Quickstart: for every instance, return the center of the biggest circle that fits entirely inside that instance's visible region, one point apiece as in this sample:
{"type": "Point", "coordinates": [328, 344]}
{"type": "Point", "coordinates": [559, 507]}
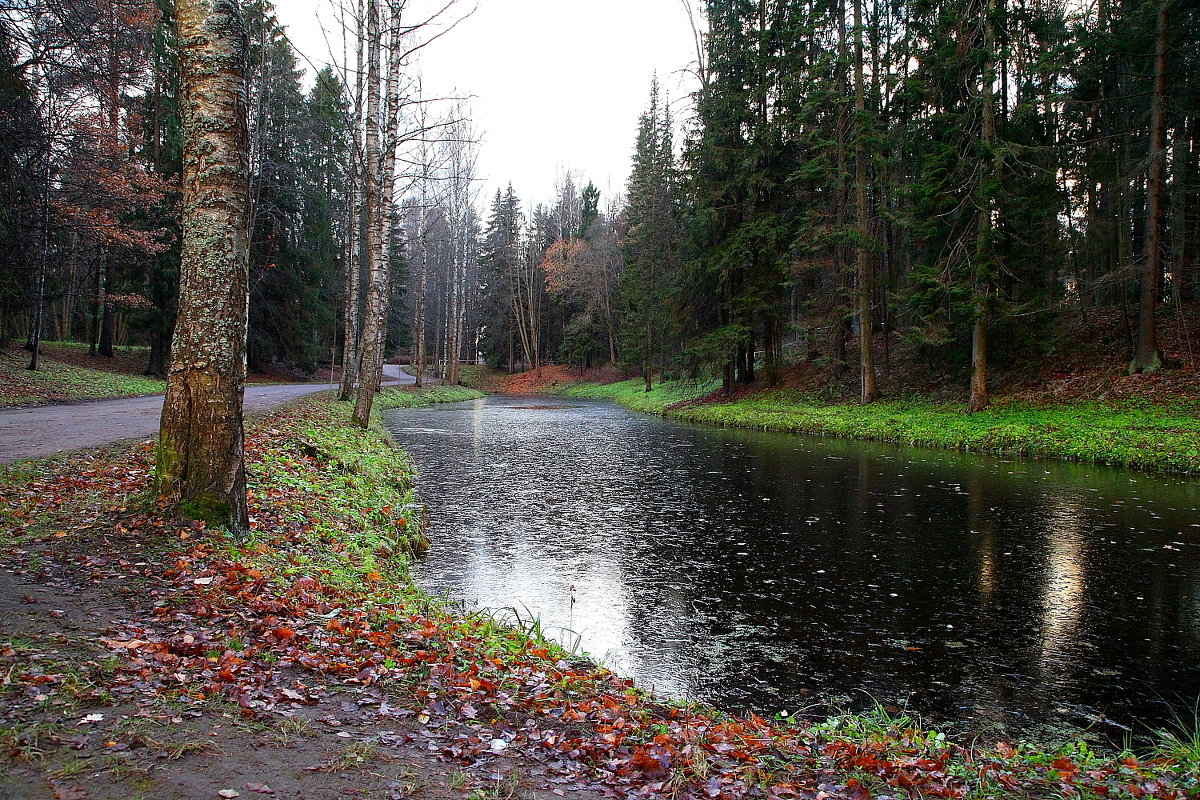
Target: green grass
{"type": "Point", "coordinates": [131, 350]}
{"type": "Point", "coordinates": [356, 485]}
{"type": "Point", "coordinates": [411, 397]}
{"type": "Point", "coordinates": [56, 381]}
{"type": "Point", "coordinates": [633, 394]}
{"type": "Point", "coordinates": [476, 376]}
{"type": "Point", "coordinates": [1130, 434]}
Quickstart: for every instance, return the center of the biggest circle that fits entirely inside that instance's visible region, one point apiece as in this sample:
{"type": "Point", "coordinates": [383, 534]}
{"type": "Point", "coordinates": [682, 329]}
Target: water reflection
{"type": "Point", "coordinates": [778, 572]}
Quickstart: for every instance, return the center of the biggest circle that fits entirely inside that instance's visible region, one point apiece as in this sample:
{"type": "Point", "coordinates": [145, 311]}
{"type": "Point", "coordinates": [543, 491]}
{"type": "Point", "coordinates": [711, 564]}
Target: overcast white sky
{"type": "Point", "coordinates": [556, 84]}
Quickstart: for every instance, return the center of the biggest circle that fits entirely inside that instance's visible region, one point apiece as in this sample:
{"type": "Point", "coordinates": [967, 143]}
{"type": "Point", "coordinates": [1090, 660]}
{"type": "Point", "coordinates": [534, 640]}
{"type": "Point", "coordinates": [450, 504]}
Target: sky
{"type": "Point", "coordinates": [556, 85]}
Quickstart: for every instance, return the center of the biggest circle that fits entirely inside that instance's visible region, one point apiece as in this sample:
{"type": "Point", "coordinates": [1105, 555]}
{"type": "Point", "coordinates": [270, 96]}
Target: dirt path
{"type": "Point", "coordinates": [46, 430]}
{"type": "Point", "coordinates": [70, 728]}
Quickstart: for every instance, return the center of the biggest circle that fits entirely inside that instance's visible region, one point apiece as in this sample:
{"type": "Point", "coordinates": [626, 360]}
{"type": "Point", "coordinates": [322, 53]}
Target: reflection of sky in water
{"type": "Point", "coordinates": [771, 571]}
{"type": "Point", "coordinates": [1063, 595]}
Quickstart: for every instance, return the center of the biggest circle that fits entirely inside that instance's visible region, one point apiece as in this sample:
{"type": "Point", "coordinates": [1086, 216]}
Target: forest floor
{"type": "Point", "coordinates": [67, 375]}
{"type": "Point", "coordinates": [143, 656]}
{"type": "Point", "coordinates": [1077, 404]}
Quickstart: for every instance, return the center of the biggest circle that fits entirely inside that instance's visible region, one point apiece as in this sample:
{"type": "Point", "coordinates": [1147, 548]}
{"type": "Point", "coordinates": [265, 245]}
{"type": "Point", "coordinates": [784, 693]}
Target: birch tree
{"type": "Point", "coordinates": [200, 464]}
{"type": "Point", "coordinates": [369, 359]}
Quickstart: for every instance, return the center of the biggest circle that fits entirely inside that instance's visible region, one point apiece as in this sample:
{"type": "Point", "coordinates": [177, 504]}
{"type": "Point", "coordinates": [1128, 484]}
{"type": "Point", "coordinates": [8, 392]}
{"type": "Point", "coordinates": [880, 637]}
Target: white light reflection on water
{"type": "Point", "coordinates": [771, 571]}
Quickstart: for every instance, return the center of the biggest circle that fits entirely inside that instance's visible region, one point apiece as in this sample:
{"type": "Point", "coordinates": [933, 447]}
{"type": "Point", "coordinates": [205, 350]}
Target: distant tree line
{"type": "Point", "coordinates": [954, 175]}
{"type": "Point", "coordinates": [958, 177]}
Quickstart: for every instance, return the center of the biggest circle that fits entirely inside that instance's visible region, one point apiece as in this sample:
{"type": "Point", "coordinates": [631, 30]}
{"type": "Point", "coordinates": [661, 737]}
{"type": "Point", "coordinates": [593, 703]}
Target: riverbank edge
{"type": "Point", "coordinates": [1132, 435]}
{"type": "Point", "coordinates": [334, 512]}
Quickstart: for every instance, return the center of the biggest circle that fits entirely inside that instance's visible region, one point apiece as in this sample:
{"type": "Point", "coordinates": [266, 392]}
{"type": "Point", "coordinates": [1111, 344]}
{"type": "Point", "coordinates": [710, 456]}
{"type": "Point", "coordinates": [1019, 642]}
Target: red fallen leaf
{"type": "Point", "coordinates": [283, 633]}
{"type": "Point", "coordinates": [131, 644]}
{"type": "Point", "coordinates": [305, 584]}
{"type": "Point", "coordinates": [258, 788]}
{"type": "Point", "coordinates": [653, 767]}
{"type": "Point", "coordinates": [1065, 766]}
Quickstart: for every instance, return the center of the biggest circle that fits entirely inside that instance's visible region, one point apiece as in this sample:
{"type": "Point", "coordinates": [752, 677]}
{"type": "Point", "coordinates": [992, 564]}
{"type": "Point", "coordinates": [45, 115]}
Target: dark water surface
{"type": "Point", "coordinates": [777, 572]}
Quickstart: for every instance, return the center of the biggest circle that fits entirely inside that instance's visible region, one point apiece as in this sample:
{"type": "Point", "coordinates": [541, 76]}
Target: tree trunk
{"type": "Point", "coordinates": [105, 346]}
{"type": "Point", "coordinates": [351, 319]}
{"type": "Point", "coordinates": [984, 252]}
{"type": "Point", "coordinates": [979, 391]}
{"type": "Point", "coordinates": [156, 363]}
{"type": "Point", "coordinates": [352, 279]}
{"type": "Point", "coordinates": [39, 297]}
{"type": "Point", "coordinates": [97, 309]}
{"type": "Point", "coordinates": [422, 273]}
{"type": "Point", "coordinates": [1189, 264]}
{"type": "Point", "coordinates": [1146, 356]}
{"type": "Point", "coordinates": [370, 360]}
{"type": "Point", "coordinates": [866, 345]}
{"type": "Point", "coordinates": [200, 464]}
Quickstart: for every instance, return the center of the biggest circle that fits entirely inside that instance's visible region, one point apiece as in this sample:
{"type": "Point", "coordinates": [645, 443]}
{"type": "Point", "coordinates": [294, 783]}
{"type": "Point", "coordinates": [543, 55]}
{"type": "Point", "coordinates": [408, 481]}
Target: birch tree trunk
{"type": "Point", "coordinates": [351, 321]}
{"type": "Point", "coordinates": [200, 463]}
{"type": "Point", "coordinates": [387, 184]}
{"type": "Point", "coordinates": [369, 359]}
{"type": "Point", "coordinates": [422, 271]}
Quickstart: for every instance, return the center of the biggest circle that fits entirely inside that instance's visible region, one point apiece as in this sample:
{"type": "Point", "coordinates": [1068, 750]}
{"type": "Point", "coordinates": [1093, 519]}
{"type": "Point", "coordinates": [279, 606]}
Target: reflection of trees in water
{"type": "Point", "coordinates": [704, 587]}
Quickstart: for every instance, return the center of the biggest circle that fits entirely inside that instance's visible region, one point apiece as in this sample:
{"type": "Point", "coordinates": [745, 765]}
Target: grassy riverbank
{"type": "Point", "coordinates": [1130, 432]}
{"type": "Point", "coordinates": [173, 661]}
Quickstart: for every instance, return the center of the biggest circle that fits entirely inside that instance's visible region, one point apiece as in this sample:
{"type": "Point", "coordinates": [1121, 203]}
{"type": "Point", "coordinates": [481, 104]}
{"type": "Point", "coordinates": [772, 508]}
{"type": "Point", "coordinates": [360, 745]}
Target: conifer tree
{"type": "Point", "coordinates": [652, 240]}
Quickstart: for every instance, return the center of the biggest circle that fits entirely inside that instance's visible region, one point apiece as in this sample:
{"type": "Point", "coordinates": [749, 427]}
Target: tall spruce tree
{"type": "Point", "coordinates": [652, 241]}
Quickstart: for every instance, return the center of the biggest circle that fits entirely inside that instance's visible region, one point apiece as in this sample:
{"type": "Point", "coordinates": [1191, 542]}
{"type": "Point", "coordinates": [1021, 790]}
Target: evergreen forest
{"type": "Point", "coordinates": [963, 185]}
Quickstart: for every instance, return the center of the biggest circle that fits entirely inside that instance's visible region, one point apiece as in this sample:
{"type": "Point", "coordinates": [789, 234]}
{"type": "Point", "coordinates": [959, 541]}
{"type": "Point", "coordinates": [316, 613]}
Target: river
{"type": "Point", "coordinates": [991, 596]}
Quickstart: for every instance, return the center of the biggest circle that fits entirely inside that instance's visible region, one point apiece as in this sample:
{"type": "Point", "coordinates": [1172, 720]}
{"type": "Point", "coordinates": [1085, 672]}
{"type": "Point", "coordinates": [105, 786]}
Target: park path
{"type": "Point", "coordinates": [46, 430]}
